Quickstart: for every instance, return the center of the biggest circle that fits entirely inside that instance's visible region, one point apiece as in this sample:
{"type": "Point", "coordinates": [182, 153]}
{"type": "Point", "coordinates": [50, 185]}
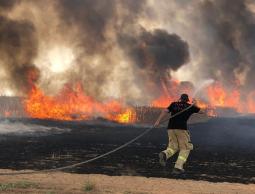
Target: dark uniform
{"type": "Point", "coordinates": [179, 137]}
{"type": "Point", "coordinates": [180, 121]}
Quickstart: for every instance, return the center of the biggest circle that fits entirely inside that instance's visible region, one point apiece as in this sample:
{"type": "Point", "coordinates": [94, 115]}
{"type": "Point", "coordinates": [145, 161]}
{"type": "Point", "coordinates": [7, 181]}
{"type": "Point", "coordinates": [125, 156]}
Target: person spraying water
{"type": "Point", "coordinates": [178, 134]}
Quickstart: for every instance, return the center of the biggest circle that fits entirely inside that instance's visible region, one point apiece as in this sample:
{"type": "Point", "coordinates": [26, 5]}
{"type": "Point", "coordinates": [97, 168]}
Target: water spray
{"type": "Point", "coordinates": [201, 86]}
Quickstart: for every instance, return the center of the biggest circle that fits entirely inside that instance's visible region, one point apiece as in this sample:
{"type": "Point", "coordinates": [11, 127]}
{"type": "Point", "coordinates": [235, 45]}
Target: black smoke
{"type": "Point", "coordinates": [155, 53]}
{"type": "Point", "coordinates": [230, 25]}
{"type": "Point", "coordinates": [90, 18]}
{"type": "Point", "coordinates": [94, 30]}
{"type": "Point", "coordinates": [18, 49]}
{"type": "Point", "coordinates": [7, 4]}
{"type": "Point", "coordinates": [95, 20]}
{"type": "Point", "coordinates": [158, 50]}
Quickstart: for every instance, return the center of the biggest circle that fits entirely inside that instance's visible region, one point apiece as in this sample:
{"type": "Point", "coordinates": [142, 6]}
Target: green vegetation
{"type": "Point", "coordinates": [20, 185]}
{"type": "Point", "coordinates": [88, 187]}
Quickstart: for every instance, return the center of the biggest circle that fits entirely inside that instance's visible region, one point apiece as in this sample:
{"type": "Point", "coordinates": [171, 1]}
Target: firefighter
{"type": "Point", "coordinates": [178, 134]}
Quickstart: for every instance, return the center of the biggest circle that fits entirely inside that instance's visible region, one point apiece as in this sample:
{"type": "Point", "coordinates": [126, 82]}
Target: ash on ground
{"type": "Point", "coordinates": [223, 148]}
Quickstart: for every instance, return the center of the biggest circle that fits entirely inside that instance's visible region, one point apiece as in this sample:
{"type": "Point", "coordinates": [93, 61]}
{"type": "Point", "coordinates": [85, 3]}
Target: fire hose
{"type": "Point", "coordinates": [100, 156]}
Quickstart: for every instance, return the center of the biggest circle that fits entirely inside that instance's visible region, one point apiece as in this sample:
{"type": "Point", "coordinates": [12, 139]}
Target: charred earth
{"type": "Point", "coordinates": [223, 148]}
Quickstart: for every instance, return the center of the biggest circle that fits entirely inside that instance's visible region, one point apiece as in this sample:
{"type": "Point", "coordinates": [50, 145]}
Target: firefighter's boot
{"type": "Point", "coordinates": [182, 158]}
{"type": "Point", "coordinates": [177, 171]}
{"type": "Point", "coordinates": [162, 158]}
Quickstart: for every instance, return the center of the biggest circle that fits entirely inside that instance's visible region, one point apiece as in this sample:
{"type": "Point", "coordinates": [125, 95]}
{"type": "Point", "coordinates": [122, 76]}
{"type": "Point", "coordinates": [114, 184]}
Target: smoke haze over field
{"type": "Point", "coordinates": [126, 49]}
{"type": "Point", "coordinates": [220, 35]}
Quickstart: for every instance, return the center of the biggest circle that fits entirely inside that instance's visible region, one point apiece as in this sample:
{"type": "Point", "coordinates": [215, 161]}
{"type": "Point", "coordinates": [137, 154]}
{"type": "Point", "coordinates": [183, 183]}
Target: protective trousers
{"type": "Point", "coordinates": [179, 140]}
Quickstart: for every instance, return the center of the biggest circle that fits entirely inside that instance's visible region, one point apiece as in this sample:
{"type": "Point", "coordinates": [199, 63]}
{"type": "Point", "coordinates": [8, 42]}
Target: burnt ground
{"type": "Point", "coordinates": [224, 149]}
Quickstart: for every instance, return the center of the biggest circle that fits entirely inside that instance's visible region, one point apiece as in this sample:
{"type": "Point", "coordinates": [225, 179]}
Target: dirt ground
{"type": "Point", "coordinates": [64, 183]}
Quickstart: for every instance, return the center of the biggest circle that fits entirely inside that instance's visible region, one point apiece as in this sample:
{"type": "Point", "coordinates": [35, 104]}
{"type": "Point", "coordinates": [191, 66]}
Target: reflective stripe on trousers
{"type": "Point", "coordinates": [182, 158]}
{"type": "Point", "coordinates": [179, 140]}
{"type": "Point", "coordinates": [169, 152]}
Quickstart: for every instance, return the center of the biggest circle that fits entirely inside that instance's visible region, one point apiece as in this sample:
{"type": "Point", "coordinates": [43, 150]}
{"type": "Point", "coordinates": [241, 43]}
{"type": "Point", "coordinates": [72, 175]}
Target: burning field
{"type": "Point", "coordinates": [81, 77]}
{"type": "Point", "coordinates": [87, 60]}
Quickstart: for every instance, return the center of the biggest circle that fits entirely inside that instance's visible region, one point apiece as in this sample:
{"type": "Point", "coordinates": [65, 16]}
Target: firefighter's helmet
{"type": "Point", "coordinates": [184, 98]}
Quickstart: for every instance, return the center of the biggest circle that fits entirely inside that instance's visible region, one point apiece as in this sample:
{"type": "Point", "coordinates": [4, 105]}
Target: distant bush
{"type": "Point", "coordinates": [88, 186]}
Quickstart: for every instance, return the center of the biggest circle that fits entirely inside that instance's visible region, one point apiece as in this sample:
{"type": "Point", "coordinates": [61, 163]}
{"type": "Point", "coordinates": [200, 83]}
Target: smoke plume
{"type": "Point", "coordinates": [220, 35]}
{"type": "Point", "coordinates": [125, 49]}
{"type": "Point", "coordinates": [7, 4]}
{"type": "Point", "coordinates": [155, 54]}
{"type": "Point", "coordinates": [232, 27]}
{"type": "Point", "coordinates": [18, 49]}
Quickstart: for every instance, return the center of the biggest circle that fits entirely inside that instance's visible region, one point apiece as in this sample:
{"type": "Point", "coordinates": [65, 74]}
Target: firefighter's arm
{"type": "Point", "coordinates": [162, 114]}
{"type": "Point", "coordinates": [202, 110]}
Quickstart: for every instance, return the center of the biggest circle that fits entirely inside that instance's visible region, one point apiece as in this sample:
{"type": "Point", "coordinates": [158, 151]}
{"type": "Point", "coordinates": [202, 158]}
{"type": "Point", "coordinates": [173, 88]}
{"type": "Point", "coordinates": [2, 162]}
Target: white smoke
{"type": "Point", "coordinates": [26, 129]}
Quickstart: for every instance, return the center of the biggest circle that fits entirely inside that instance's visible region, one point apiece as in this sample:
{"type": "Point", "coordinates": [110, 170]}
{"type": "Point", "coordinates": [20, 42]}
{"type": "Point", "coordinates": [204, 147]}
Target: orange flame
{"type": "Point", "coordinates": [72, 104]}
{"type": "Point", "coordinates": [7, 113]}
{"type": "Point", "coordinates": [162, 102]}
{"type": "Point", "coordinates": [128, 116]}
{"type": "Point", "coordinates": [217, 96]}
